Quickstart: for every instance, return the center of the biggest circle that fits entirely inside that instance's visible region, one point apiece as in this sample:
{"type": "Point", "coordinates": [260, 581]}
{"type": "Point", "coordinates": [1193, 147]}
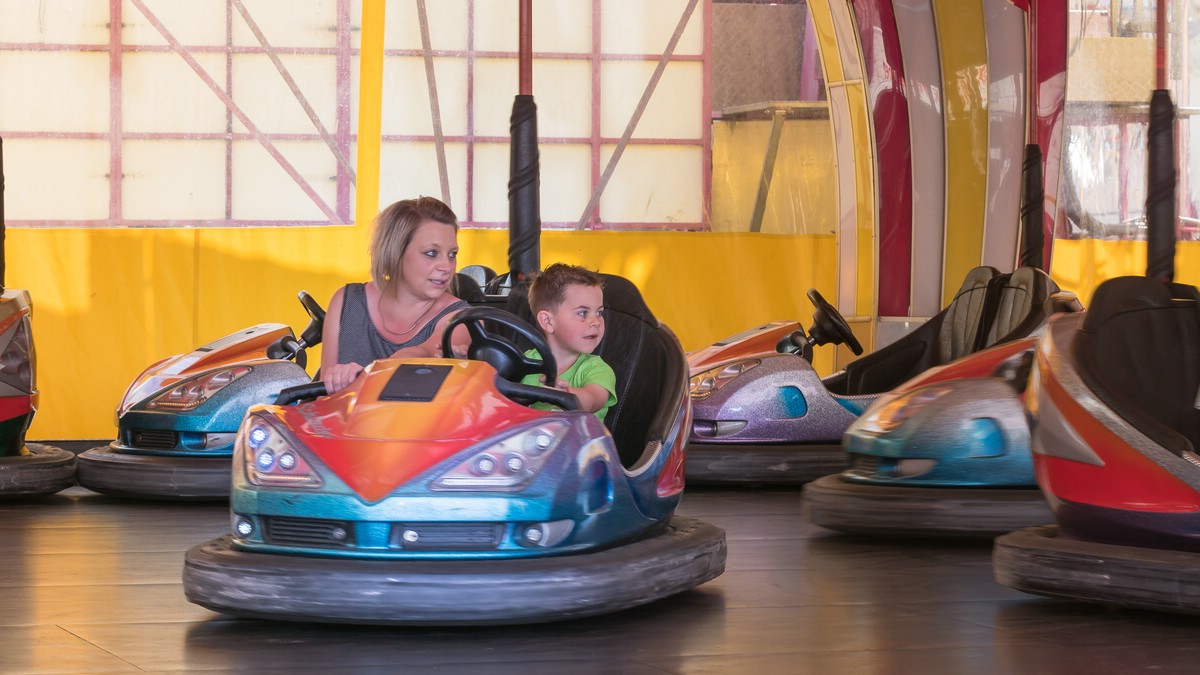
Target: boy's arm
{"type": "Point", "coordinates": [592, 397]}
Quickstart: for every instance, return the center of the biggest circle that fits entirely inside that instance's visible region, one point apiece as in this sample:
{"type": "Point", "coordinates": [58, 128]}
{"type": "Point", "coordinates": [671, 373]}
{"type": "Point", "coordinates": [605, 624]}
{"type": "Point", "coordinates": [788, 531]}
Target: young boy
{"type": "Point", "coordinates": [568, 304]}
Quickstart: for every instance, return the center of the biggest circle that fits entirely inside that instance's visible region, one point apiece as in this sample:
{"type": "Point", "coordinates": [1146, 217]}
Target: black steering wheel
{"type": "Point", "coordinates": [507, 358]}
{"type": "Point", "coordinates": [829, 326]}
{"type": "Point", "coordinates": [288, 347]}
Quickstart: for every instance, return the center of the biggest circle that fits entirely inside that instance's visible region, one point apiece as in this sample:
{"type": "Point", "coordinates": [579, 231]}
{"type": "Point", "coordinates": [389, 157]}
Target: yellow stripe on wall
{"type": "Point", "coordinates": [109, 302]}
{"type": "Point", "coordinates": [370, 111]}
{"type": "Point", "coordinates": [962, 44]}
{"type": "Point", "coordinates": [1080, 265]}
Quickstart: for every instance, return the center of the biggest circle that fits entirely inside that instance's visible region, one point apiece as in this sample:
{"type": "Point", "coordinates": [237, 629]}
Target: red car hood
{"type": "Point", "coordinates": [375, 446]}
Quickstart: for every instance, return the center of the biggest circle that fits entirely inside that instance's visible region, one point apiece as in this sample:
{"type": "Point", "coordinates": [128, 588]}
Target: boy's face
{"type": "Point", "coordinates": [578, 323]}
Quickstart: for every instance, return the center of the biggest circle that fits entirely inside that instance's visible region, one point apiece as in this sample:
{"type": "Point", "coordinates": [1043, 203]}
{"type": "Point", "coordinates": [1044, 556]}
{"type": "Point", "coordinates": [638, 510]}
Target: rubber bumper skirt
{"type": "Point", "coordinates": [1037, 560]}
{"type": "Point", "coordinates": [790, 464]}
{"type": "Point", "coordinates": [45, 470]}
{"type": "Point", "coordinates": [923, 512]}
{"type": "Point", "coordinates": [108, 471]}
{"type": "Point", "coordinates": [454, 592]}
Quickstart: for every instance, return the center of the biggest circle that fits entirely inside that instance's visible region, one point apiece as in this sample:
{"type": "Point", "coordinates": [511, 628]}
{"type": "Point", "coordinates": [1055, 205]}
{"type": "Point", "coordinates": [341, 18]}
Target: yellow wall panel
{"type": "Point", "coordinates": [963, 47]}
{"type": "Point", "coordinates": [108, 303]}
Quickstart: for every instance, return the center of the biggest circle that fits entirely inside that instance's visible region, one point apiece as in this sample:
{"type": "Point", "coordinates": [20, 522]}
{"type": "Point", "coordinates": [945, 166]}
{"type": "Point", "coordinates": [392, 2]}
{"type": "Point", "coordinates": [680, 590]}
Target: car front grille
{"type": "Point", "coordinates": [446, 536]}
{"type": "Point", "coordinates": [153, 439]}
{"type": "Point", "coordinates": [284, 531]}
{"type": "Point", "coordinates": [866, 465]}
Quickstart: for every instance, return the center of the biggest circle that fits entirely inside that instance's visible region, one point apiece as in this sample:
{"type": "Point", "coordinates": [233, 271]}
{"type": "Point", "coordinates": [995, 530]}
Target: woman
{"type": "Point", "coordinates": [404, 309]}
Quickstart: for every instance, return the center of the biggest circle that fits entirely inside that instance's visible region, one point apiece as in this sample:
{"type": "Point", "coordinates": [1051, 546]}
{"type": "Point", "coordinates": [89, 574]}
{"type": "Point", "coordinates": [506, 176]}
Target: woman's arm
{"type": "Point", "coordinates": [337, 376]}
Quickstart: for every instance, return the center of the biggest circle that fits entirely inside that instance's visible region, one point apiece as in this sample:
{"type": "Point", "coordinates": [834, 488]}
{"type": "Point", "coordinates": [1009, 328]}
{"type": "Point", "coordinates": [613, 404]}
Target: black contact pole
{"type": "Point", "coordinates": [1033, 197]}
{"type": "Point", "coordinates": [1, 215]}
{"type": "Point", "coordinates": [1160, 167]}
{"type": "Point", "coordinates": [524, 207]}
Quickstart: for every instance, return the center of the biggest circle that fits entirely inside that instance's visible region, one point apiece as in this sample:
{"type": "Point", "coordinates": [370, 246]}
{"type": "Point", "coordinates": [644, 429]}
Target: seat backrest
{"type": "Point", "coordinates": [651, 370]}
{"type": "Point", "coordinates": [1019, 304]}
{"type": "Point", "coordinates": [1138, 350]}
{"type": "Point", "coordinates": [963, 317]}
{"type": "Point", "coordinates": [945, 337]}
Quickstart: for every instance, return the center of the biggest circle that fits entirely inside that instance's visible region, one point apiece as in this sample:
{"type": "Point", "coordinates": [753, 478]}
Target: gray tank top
{"type": "Point", "coordinates": [358, 339]}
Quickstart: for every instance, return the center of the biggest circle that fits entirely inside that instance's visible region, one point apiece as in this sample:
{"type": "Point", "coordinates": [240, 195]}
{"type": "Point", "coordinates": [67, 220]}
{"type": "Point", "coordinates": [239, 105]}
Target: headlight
{"type": "Point", "coordinates": [191, 393]}
{"type": "Point", "coordinates": [887, 417]}
{"type": "Point", "coordinates": [509, 464]}
{"type": "Point", "coordinates": [704, 384]}
{"type": "Point", "coordinates": [271, 458]}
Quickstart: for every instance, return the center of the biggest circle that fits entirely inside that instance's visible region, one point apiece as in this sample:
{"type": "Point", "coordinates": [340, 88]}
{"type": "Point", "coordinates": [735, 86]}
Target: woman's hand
{"type": "Point", "coordinates": [340, 376]}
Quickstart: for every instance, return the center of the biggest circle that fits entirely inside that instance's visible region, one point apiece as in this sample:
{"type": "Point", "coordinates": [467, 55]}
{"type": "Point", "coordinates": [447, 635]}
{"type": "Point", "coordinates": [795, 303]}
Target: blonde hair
{"type": "Point", "coordinates": [393, 232]}
{"type": "Point", "coordinates": [549, 287]}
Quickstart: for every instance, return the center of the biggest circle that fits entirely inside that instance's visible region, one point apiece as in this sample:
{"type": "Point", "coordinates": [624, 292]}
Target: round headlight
{"type": "Point", "coordinates": [257, 436]}
{"type": "Point", "coordinates": [266, 460]}
{"type": "Point", "coordinates": [287, 461]}
{"type": "Point", "coordinates": [484, 465]}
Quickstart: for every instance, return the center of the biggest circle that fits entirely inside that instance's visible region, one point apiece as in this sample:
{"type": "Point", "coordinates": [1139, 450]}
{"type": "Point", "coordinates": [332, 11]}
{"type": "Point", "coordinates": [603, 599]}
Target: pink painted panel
{"type": "Point", "coordinates": [1048, 30]}
{"type": "Point", "coordinates": [884, 71]}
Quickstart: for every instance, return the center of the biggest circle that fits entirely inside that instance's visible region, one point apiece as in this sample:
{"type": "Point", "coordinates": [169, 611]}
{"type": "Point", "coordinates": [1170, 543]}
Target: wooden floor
{"type": "Point", "coordinates": [92, 584]}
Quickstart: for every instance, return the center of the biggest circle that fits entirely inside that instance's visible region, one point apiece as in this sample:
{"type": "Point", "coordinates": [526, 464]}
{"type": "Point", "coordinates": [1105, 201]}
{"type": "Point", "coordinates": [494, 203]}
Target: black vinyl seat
{"type": "Point", "coordinates": [1138, 350]}
{"type": "Point", "coordinates": [990, 308]}
{"type": "Point", "coordinates": [649, 362]}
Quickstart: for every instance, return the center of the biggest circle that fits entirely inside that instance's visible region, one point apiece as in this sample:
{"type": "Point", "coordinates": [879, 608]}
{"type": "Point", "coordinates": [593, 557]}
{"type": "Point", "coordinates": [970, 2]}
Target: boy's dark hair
{"type": "Point", "coordinates": [549, 287]}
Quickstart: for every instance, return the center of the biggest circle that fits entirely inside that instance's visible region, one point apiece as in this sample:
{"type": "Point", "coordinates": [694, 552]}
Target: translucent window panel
{"type": "Point", "coordinates": [191, 23]}
{"type": "Point", "coordinates": [161, 93]}
{"type": "Point", "coordinates": [563, 93]}
{"type": "Point", "coordinates": [803, 194]}
{"type": "Point", "coordinates": [673, 110]}
{"type": "Point", "coordinates": [566, 184]}
{"type": "Point", "coordinates": [265, 97]}
{"type": "Point", "coordinates": [561, 26]}
{"type": "Point", "coordinates": [55, 179]}
{"type": "Point", "coordinates": [410, 169]}
{"type": "Point", "coordinates": [640, 27]}
{"type": "Point", "coordinates": [490, 187]}
{"type": "Point", "coordinates": [564, 180]}
{"type": "Point", "coordinates": [495, 87]}
{"type": "Point", "coordinates": [312, 23]}
{"type": "Point", "coordinates": [654, 184]}
{"type": "Point", "coordinates": [263, 190]}
{"type": "Point", "coordinates": [173, 180]}
{"type": "Point", "coordinates": [406, 92]}
{"type": "Point", "coordinates": [55, 21]}
{"type": "Point", "coordinates": [447, 24]}
{"type": "Point", "coordinates": [54, 91]}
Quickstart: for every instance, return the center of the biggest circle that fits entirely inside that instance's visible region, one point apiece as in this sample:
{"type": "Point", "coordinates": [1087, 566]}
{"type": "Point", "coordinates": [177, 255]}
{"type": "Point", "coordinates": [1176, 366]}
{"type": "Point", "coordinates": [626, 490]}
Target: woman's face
{"type": "Point", "coordinates": [431, 259]}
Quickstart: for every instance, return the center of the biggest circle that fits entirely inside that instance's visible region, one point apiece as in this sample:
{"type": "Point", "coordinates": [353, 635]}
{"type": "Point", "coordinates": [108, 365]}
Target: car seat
{"type": "Point", "coordinates": [651, 370]}
{"type": "Point", "coordinates": [1138, 350]}
{"type": "Point", "coordinates": [947, 336]}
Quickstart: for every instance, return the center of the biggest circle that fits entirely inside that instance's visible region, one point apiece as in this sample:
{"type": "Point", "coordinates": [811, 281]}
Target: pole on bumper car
{"type": "Point", "coordinates": [524, 208]}
{"type": "Point", "coordinates": [1160, 167]}
{"type": "Point", "coordinates": [1033, 194]}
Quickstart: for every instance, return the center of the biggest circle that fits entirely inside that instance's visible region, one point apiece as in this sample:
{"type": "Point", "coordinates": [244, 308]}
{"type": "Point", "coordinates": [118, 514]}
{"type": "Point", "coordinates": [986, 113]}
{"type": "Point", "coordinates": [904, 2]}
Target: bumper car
{"type": "Point", "coordinates": [177, 421]}
{"type": "Point", "coordinates": [945, 454]}
{"type": "Point", "coordinates": [26, 469]}
{"type": "Point", "coordinates": [763, 415]}
{"type": "Point", "coordinates": [1114, 395]}
{"type": "Point", "coordinates": [429, 493]}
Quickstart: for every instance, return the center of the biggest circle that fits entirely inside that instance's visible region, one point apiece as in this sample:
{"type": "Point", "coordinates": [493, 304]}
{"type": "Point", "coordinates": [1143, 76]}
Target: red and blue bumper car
{"type": "Point", "coordinates": [26, 469]}
{"type": "Point", "coordinates": [763, 415]}
{"type": "Point", "coordinates": [430, 493]}
{"type": "Point", "coordinates": [1115, 397]}
{"type": "Point", "coordinates": [177, 421]}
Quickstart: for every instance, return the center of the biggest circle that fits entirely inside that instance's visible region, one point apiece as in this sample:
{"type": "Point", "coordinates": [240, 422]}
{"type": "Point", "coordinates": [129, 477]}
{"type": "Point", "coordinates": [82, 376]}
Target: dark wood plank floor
{"type": "Point", "coordinates": [92, 584]}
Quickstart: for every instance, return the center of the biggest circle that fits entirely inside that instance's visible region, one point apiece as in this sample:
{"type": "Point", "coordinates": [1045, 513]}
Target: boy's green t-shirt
{"type": "Point", "coordinates": [587, 369]}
